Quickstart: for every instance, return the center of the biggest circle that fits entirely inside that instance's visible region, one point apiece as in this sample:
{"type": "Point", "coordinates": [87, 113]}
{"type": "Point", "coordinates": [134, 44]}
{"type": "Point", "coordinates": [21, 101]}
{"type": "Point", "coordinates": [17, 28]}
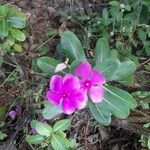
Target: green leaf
{"type": "Point", "coordinates": [116, 13]}
{"type": "Point", "coordinates": [102, 51]}
{"type": "Point", "coordinates": [3, 10]}
{"type": "Point", "coordinates": [51, 111]}
{"type": "Point", "coordinates": [115, 102]}
{"type": "Point", "coordinates": [2, 110]}
{"type": "Point", "coordinates": [2, 135]}
{"type": "Point", "coordinates": [17, 47]}
{"type": "Point", "coordinates": [73, 65]}
{"type": "Point", "coordinates": [1, 61]}
{"type": "Point", "coordinates": [11, 39]}
{"type": "Point", "coordinates": [124, 70]}
{"type": "Point", "coordinates": [142, 35]}
{"type": "Point", "coordinates": [58, 142]}
{"type": "Point", "coordinates": [72, 46]}
{"type": "Point", "coordinates": [128, 80]}
{"type": "Point", "coordinates": [33, 123]}
{"type": "Point", "coordinates": [35, 139]}
{"type": "Point", "coordinates": [61, 125]}
{"type": "Point", "coordinates": [43, 129]}
{"type": "Point", "coordinates": [128, 7]}
{"type": "Point", "coordinates": [12, 11]}
{"type": "Point", "coordinates": [105, 16]}
{"type": "Point", "coordinates": [109, 68]}
{"type": "Point", "coordinates": [97, 113]}
{"type": "Point", "coordinates": [114, 3]}
{"type": "Point", "coordinates": [6, 45]}
{"type": "Point", "coordinates": [18, 35]}
{"type": "Point", "coordinates": [148, 142]}
{"type": "Point", "coordinates": [114, 54]}
{"type": "Point", "coordinates": [17, 22]}
{"type": "Point", "coordinates": [113, 69]}
{"type": "Point", "coordinates": [47, 65]}
{"type": "Point", "coordinates": [51, 32]}
{"type": "Point", "coordinates": [4, 28]}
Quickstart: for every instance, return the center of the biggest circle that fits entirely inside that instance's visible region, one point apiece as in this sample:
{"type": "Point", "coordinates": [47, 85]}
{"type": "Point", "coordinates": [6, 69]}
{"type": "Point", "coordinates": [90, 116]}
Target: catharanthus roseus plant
{"type": "Point", "coordinates": [83, 85]}
{"type": "Point", "coordinates": [71, 91]}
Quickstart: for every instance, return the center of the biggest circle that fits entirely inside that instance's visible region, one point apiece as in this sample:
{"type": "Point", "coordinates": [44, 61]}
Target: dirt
{"type": "Point", "coordinates": [45, 14]}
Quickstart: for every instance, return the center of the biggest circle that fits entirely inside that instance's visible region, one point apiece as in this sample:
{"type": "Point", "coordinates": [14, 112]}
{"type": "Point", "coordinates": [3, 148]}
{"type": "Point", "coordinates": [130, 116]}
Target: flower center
{"type": "Point", "coordinates": [87, 84]}
{"type": "Point", "coordinates": [64, 95]}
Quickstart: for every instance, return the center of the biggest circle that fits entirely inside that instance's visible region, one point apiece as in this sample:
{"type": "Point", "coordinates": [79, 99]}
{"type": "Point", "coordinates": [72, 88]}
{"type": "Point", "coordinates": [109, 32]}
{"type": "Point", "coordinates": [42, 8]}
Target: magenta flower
{"type": "Point", "coordinates": [91, 81]}
{"type": "Point", "coordinates": [66, 91]}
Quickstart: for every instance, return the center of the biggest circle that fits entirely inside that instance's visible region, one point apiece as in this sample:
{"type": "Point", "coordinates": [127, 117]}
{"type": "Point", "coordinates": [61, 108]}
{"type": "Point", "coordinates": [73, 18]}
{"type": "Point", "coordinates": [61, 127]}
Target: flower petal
{"type": "Point", "coordinates": [70, 83]}
{"type": "Point", "coordinates": [96, 94]}
{"type": "Point", "coordinates": [13, 114]}
{"type": "Point", "coordinates": [53, 97]}
{"type": "Point", "coordinates": [79, 99]}
{"type": "Point", "coordinates": [67, 106]}
{"type": "Point", "coordinates": [56, 83]}
{"type": "Point", "coordinates": [83, 70]}
{"type": "Point", "coordinates": [97, 77]}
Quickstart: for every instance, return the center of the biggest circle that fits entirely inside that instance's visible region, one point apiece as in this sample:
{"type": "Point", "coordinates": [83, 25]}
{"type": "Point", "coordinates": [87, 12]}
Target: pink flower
{"type": "Point", "coordinates": [66, 91]}
{"type": "Point", "coordinates": [91, 80]}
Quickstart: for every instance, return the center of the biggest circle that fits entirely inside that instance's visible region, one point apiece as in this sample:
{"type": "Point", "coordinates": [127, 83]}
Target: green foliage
{"type": "Point", "coordinates": [107, 63]}
{"type": "Point", "coordinates": [47, 114]}
{"type": "Point", "coordinates": [145, 140]}
{"type": "Point", "coordinates": [116, 102]}
{"type": "Point", "coordinates": [2, 135]}
{"type": "Point", "coordinates": [43, 129]}
{"type": "Point", "coordinates": [2, 110]}
{"type": "Point", "coordinates": [54, 136]}
{"type": "Point", "coordinates": [121, 21]}
{"type": "Point", "coordinates": [12, 23]}
{"type": "Point", "coordinates": [72, 46]}
{"type": "Point", "coordinates": [59, 143]}
{"type": "Point", "coordinates": [47, 65]}
{"type": "Point", "coordinates": [35, 139]}
{"type": "Point", "coordinates": [102, 51]}
{"type": "Point", "coordinates": [61, 125]}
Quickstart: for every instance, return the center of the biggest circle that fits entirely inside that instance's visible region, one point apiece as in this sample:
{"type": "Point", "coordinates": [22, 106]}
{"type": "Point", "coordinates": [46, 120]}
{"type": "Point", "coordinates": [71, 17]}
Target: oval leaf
{"type": "Point", "coordinates": [17, 47]}
{"type": "Point", "coordinates": [51, 111]}
{"type": "Point", "coordinates": [43, 129]}
{"type": "Point", "coordinates": [102, 52]}
{"type": "Point", "coordinates": [35, 139]}
{"type": "Point", "coordinates": [113, 69]}
{"type": "Point", "coordinates": [3, 10]}
{"type": "Point", "coordinates": [17, 22]}
{"type": "Point", "coordinates": [17, 34]}
{"type": "Point", "coordinates": [4, 28]}
{"type": "Point", "coordinates": [97, 113]}
{"type": "Point", "coordinates": [124, 70]}
{"type": "Point", "coordinates": [72, 46]}
{"type": "Point", "coordinates": [47, 65]}
{"type": "Point", "coordinates": [116, 102]}
{"type": "Point", "coordinates": [58, 142]}
{"type": "Point", "coordinates": [61, 125]}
